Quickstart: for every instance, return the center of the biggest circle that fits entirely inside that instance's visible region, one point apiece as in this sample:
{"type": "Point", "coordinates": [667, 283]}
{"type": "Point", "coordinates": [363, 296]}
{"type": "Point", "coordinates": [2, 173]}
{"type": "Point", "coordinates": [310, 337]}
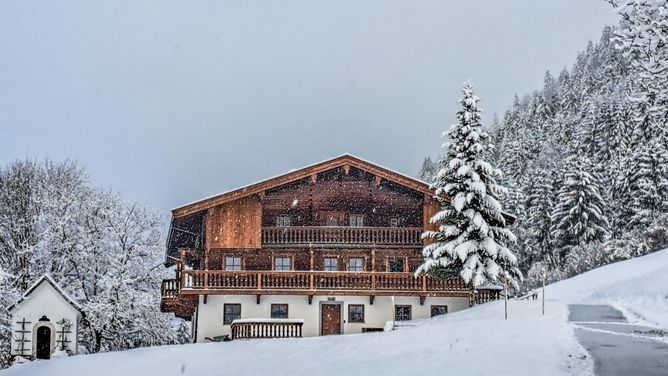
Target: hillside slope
{"type": "Point", "coordinates": [477, 341]}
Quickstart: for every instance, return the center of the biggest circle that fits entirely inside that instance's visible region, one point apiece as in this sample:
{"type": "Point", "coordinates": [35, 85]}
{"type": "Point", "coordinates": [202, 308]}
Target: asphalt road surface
{"type": "Point", "coordinates": [618, 347]}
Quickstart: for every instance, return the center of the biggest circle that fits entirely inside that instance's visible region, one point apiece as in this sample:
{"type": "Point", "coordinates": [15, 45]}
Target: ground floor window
{"type": "Point", "coordinates": [356, 313]}
{"type": "Point", "coordinates": [231, 312]}
{"type": "Point", "coordinates": [279, 311]}
{"type": "Point", "coordinates": [402, 313]}
{"type": "Point", "coordinates": [438, 310]}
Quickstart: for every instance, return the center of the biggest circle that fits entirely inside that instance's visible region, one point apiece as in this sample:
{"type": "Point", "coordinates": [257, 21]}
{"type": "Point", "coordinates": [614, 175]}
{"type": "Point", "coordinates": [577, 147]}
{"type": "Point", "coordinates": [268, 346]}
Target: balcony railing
{"type": "Point", "coordinates": [312, 282]}
{"type": "Point", "coordinates": [273, 328]}
{"type": "Point", "coordinates": [304, 235]}
{"type": "Point", "coordinates": [170, 288]}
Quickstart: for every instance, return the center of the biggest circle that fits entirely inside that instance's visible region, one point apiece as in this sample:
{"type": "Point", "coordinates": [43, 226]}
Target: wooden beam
{"type": "Point", "coordinates": [301, 174]}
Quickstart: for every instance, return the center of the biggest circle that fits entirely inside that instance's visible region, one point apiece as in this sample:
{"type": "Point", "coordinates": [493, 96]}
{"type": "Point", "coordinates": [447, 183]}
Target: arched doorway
{"type": "Point", "coordinates": [43, 343]}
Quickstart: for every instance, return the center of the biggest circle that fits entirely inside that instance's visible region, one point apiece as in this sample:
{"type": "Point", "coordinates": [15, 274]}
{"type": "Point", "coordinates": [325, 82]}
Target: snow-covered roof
{"type": "Point", "coordinates": [47, 278]}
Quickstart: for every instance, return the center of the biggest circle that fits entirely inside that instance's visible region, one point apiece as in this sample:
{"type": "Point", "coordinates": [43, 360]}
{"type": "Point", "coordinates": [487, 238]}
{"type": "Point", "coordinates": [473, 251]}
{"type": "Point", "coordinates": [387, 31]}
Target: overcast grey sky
{"type": "Point", "coordinates": [171, 101]}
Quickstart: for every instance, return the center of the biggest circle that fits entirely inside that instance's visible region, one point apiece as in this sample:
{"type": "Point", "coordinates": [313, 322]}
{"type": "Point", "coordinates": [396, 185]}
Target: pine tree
{"type": "Point", "coordinates": [472, 240]}
{"type": "Point", "coordinates": [427, 171]}
{"type": "Point", "coordinates": [579, 214]}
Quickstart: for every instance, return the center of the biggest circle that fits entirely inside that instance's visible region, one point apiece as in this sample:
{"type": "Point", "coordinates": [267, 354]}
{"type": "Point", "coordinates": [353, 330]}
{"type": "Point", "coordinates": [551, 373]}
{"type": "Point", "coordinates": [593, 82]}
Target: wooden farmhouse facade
{"type": "Point", "coordinates": [327, 249]}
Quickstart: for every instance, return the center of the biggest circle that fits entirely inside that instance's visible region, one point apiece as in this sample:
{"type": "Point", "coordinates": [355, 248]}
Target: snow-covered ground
{"type": "Point", "coordinates": [477, 341]}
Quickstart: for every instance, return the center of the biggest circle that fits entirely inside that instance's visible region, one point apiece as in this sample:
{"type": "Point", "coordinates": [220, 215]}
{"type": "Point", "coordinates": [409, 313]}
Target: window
{"type": "Point", "coordinates": [356, 220]}
{"type": "Point", "coordinates": [331, 221]}
{"type": "Point", "coordinates": [396, 221]}
{"type": "Point", "coordinates": [279, 311]}
{"type": "Point", "coordinates": [396, 265]}
{"type": "Point", "coordinates": [283, 221]}
{"type": "Point", "coordinates": [356, 264]}
{"type": "Point", "coordinates": [331, 264]}
{"type": "Point", "coordinates": [232, 263]}
{"type": "Point", "coordinates": [438, 310]}
{"type": "Point", "coordinates": [231, 312]}
{"type": "Point", "coordinates": [355, 312]}
{"type": "Point", "coordinates": [402, 313]}
{"type": "Point", "coordinates": [282, 263]}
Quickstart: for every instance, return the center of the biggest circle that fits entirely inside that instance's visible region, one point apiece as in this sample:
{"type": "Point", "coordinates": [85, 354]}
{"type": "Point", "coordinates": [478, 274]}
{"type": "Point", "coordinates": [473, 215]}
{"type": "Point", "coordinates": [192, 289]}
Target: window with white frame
{"type": "Point", "coordinates": [356, 264]}
{"type": "Point", "coordinates": [331, 264]}
{"type": "Point", "coordinates": [283, 263]}
{"type": "Point", "coordinates": [283, 221]}
{"type": "Point", "coordinates": [396, 221]}
{"type": "Point", "coordinates": [232, 263]}
{"type": "Point", "coordinates": [356, 220]}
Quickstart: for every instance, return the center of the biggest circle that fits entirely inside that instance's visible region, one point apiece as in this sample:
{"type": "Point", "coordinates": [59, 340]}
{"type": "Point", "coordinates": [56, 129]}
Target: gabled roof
{"type": "Point", "coordinates": [289, 177]}
{"type": "Point", "coordinates": [47, 279]}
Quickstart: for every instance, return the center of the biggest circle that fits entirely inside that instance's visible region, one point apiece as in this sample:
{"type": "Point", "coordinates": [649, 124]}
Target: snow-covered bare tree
{"type": "Point", "coordinates": [104, 251]}
{"type": "Point", "coordinates": [472, 240]}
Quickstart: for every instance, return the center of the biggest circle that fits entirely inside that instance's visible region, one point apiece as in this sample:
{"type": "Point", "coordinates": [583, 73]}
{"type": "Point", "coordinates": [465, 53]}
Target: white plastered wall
{"type": "Point", "coordinates": [210, 315]}
{"type": "Point", "coordinates": [44, 300]}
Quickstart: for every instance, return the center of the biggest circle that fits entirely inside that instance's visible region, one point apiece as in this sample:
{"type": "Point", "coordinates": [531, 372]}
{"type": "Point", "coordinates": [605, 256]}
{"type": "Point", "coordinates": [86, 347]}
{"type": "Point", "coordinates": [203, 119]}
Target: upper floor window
{"type": "Point", "coordinates": [283, 221]}
{"type": "Point", "coordinates": [356, 264]}
{"type": "Point", "coordinates": [396, 221]}
{"type": "Point", "coordinates": [232, 263]}
{"type": "Point", "coordinates": [282, 263]}
{"type": "Point", "coordinates": [331, 264]}
{"type": "Point", "coordinates": [396, 266]}
{"type": "Point", "coordinates": [356, 220]}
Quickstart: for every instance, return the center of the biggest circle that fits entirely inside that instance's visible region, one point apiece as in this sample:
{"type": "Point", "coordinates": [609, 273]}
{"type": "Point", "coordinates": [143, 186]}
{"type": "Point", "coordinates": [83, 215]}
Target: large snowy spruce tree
{"type": "Point", "coordinates": [472, 240]}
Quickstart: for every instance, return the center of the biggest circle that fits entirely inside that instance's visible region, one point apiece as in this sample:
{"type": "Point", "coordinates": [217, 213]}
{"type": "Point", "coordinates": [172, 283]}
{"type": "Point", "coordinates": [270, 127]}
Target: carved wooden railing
{"type": "Point", "coordinates": [406, 236]}
{"type": "Point", "coordinates": [313, 281]}
{"type": "Point", "coordinates": [486, 295]}
{"type": "Point", "coordinates": [170, 288]}
{"type": "Point", "coordinates": [250, 328]}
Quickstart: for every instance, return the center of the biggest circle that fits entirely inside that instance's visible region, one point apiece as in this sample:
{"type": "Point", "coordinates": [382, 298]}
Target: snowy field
{"type": "Point", "coordinates": [472, 342]}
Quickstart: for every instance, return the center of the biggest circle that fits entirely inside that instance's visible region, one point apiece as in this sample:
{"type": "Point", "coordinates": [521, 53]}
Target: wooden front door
{"type": "Point", "coordinates": [43, 343]}
{"type": "Point", "coordinates": [330, 318]}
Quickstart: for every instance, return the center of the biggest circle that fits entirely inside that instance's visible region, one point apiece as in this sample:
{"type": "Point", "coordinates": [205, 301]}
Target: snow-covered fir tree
{"type": "Point", "coordinates": [472, 240]}
{"type": "Point", "coordinates": [428, 170]}
{"type": "Point", "coordinates": [579, 214]}
{"type": "Point", "coordinates": [608, 112]}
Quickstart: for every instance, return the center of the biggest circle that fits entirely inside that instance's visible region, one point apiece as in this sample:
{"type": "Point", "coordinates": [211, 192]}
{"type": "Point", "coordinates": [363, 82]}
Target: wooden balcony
{"type": "Point", "coordinates": [339, 235]}
{"type": "Point", "coordinates": [273, 328]}
{"type": "Point", "coordinates": [317, 283]}
{"type": "Point", "coordinates": [170, 288]}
